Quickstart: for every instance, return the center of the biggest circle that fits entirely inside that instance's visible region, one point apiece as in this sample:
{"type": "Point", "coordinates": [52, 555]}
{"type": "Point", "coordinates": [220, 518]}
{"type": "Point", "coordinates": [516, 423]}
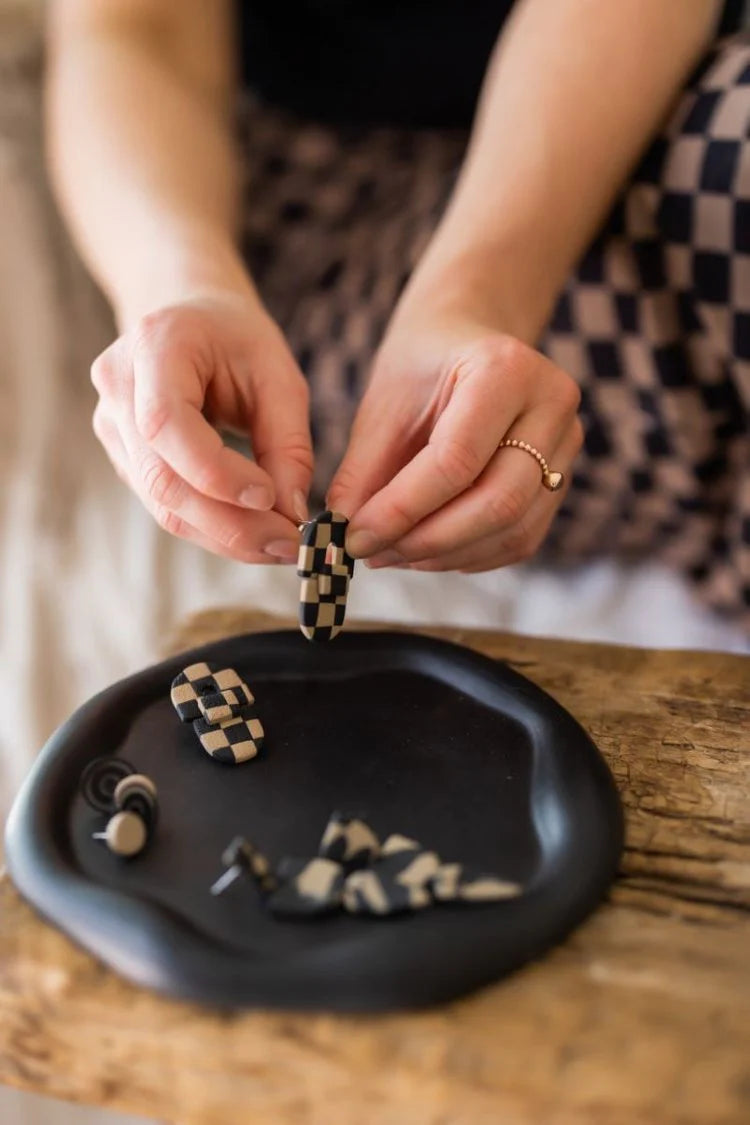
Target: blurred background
{"type": "Point", "coordinates": [90, 586]}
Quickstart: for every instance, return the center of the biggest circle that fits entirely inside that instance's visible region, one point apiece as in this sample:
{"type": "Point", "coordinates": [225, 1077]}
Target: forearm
{"type": "Point", "coordinates": [574, 92]}
{"type": "Point", "coordinates": [144, 168]}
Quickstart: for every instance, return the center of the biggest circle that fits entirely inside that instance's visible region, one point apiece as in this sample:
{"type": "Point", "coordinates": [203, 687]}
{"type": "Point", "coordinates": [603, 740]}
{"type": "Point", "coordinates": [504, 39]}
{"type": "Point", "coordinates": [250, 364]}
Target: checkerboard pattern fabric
{"type": "Point", "coordinates": [220, 706]}
{"type": "Point", "coordinates": [325, 569]}
{"type": "Point", "coordinates": [654, 322]}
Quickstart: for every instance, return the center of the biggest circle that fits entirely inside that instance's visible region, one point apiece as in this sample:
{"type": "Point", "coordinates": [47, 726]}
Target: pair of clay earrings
{"type": "Point", "coordinates": [353, 871]}
{"type": "Point", "coordinates": [221, 708]}
{"type": "Point", "coordinates": [127, 798]}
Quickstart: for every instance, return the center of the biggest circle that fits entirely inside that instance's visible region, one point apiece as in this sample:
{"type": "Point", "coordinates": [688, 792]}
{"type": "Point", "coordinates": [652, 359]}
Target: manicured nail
{"type": "Point", "coordinates": [286, 549]}
{"type": "Point", "coordinates": [360, 544]}
{"type": "Point", "coordinates": [257, 496]}
{"type": "Point", "coordinates": [385, 558]}
{"type": "Point", "coordinates": [299, 504]}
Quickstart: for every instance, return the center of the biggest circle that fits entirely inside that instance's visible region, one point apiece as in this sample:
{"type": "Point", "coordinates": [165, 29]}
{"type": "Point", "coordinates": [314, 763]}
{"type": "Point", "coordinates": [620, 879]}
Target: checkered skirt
{"type": "Point", "coordinates": [654, 322]}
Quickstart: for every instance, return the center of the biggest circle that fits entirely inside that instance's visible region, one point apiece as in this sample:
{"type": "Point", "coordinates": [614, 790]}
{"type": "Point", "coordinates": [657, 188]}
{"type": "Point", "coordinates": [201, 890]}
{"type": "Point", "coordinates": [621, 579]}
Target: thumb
{"type": "Point", "coordinates": [383, 440]}
{"type": "Point", "coordinates": [280, 433]}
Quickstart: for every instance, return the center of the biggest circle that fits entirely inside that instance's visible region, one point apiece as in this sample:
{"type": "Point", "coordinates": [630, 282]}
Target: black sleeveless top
{"type": "Point", "coordinates": [402, 62]}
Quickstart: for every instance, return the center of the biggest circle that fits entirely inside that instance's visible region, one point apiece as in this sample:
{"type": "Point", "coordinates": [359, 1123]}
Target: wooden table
{"type": "Point", "coordinates": [642, 1016]}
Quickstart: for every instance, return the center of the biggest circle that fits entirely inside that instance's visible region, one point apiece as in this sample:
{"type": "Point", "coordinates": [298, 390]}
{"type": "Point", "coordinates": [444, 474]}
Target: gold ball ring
{"type": "Point", "coordinates": [551, 480]}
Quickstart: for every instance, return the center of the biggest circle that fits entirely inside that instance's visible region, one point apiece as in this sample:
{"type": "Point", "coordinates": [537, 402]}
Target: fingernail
{"type": "Point", "coordinates": [385, 558]}
{"type": "Point", "coordinates": [257, 496]}
{"type": "Point", "coordinates": [359, 544]}
{"type": "Point", "coordinates": [286, 549]}
{"type": "Point", "coordinates": [299, 504]}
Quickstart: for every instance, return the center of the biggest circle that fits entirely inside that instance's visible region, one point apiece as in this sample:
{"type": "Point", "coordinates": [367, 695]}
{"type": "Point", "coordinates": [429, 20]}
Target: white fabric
{"type": "Point", "coordinates": [88, 585]}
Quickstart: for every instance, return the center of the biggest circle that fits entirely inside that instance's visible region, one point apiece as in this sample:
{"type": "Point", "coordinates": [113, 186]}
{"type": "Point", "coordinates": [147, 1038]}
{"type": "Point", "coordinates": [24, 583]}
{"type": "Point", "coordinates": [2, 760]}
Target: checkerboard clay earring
{"type": "Point", "coordinates": [326, 570]}
{"type": "Point", "coordinates": [454, 882]}
{"type": "Point", "coordinates": [407, 876]}
{"type": "Point", "coordinates": [349, 841]}
{"type": "Point", "coordinates": [221, 708]}
{"type": "Point", "coordinates": [400, 879]}
{"type": "Point", "coordinates": [355, 873]}
{"type": "Point", "coordinates": [307, 887]}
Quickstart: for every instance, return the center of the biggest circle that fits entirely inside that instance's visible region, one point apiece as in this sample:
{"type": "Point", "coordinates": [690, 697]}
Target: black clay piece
{"type": "Point", "coordinates": [308, 887]}
{"type": "Point", "coordinates": [417, 736]}
{"type": "Point", "coordinates": [100, 779]}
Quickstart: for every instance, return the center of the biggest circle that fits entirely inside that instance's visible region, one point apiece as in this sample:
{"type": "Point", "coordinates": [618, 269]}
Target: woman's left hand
{"type": "Point", "coordinates": [424, 481]}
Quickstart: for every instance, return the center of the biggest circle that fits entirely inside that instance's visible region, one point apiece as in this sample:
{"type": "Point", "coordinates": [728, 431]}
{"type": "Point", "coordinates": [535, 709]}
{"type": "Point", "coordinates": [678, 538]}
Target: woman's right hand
{"type": "Point", "coordinates": [217, 361]}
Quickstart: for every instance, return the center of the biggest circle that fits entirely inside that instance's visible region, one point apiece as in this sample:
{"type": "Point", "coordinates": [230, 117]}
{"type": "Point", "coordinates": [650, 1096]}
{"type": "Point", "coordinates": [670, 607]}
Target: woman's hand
{"type": "Point", "coordinates": [423, 479]}
{"type": "Point", "coordinates": [164, 385]}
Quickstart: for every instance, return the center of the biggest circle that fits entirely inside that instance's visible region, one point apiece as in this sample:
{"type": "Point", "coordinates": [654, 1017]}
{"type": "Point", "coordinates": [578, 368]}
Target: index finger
{"type": "Point", "coordinates": [480, 411]}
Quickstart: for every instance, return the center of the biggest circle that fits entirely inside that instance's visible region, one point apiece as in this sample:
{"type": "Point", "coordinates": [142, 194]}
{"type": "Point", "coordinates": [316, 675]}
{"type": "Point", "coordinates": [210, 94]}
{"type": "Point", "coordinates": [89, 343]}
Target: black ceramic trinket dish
{"type": "Point", "coordinates": [416, 735]}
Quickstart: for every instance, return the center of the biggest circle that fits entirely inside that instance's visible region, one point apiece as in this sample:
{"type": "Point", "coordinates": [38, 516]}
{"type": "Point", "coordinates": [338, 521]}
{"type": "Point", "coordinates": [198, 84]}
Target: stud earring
{"type": "Point", "coordinates": [137, 794]}
{"type": "Point", "coordinates": [125, 835]}
{"type": "Point", "coordinates": [241, 858]}
{"type": "Point", "coordinates": [132, 824]}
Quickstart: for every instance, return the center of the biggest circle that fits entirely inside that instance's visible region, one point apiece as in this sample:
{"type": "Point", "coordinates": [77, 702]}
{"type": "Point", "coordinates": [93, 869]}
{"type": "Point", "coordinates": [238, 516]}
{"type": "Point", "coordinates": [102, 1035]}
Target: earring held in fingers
{"type": "Point", "coordinates": [551, 479]}
{"type": "Point", "coordinates": [326, 569]}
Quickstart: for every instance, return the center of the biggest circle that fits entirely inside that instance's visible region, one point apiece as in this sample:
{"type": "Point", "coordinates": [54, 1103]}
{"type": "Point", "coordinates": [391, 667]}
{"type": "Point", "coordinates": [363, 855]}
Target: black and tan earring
{"type": "Point", "coordinates": [326, 569]}
{"type": "Point", "coordinates": [221, 708]}
{"type": "Point", "coordinates": [241, 858]}
{"type": "Point", "coordinates": [315, 885]}
{"type": "Point", "coordinates": [134, 814]}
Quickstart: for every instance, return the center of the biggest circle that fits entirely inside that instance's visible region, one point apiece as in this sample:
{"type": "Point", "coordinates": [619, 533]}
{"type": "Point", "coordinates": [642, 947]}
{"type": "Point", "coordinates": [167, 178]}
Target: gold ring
{"type": "Point", "coordinates": [551, 480]}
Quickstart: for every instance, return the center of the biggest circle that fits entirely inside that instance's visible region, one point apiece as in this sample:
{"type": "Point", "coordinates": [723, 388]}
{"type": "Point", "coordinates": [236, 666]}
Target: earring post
{"type": "Point", "coordinates": [226, 879]}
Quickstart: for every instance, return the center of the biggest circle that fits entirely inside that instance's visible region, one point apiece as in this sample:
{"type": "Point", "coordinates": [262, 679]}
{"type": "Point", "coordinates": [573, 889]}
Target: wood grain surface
{"type": "Point", "coordinates": [642, 1016]}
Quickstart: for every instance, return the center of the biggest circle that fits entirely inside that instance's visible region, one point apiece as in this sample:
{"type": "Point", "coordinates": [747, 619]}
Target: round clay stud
{"type": "Point", "coordinates": [135, 783]}
{"type": "Point", "coordinates": [137, 794]}
{"type": "Point", "coordinates": [126, 834]}
{"type": "Point", "coordinates": [100, 779]}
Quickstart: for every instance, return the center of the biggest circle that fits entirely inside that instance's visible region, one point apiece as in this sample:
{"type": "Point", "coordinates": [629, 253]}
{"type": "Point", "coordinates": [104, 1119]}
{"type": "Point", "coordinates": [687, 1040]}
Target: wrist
{"type": "Point", "coordinates": [498, 282]}
{"type": "Point", "coordinates": [186, 267]}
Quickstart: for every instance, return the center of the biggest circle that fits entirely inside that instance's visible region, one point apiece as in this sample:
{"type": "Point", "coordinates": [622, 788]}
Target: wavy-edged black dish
{"type": "Point", "coordinates": [417, 735]}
